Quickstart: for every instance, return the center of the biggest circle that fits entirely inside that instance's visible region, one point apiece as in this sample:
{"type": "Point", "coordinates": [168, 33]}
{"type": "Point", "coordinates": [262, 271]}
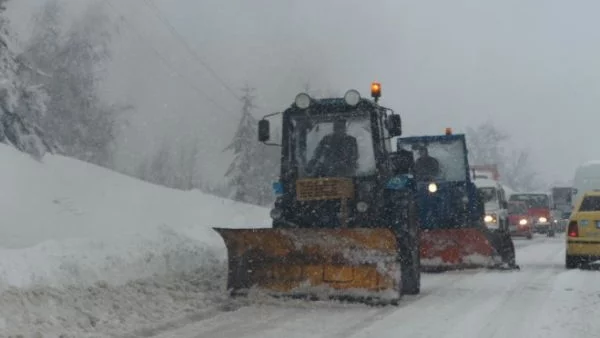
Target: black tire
{"type": "Point", "coordinates": [411, 255]}
{"type": "Point", "coordinates": [529, 236]}
{"type": "Point", "coordinates": [506, 248]}
{"type": "Point", "coordinates": [550, 233]}
{"type": "Point", "coordinates": [411, 279]}
{"type": "Point", "coordinates": [571, 262]}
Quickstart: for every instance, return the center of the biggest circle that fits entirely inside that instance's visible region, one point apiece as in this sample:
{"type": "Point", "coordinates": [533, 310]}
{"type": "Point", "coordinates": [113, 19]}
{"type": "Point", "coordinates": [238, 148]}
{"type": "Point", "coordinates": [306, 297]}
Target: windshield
{"type": "Point", "coordinates": [517, 208]}
{"type": "Point", "coordinates": [532, 200]}
{"type": "Point", "coordinates": [439, 160]}
{"type": "Point", "coordinates": [319, 151]}
{"type": "Point", "coordinates": [488, 194]}
{"type": "Point", "coordinates": [562, 195]}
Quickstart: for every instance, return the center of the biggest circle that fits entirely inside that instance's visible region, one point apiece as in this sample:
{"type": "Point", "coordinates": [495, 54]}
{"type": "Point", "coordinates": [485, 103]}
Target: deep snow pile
{"type": "Point", "coordinates": [75, 236]}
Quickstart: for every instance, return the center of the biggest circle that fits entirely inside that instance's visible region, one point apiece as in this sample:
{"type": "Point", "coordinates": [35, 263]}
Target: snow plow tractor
{"type": "Point", "coordinates": [344, 221]}
{"type": "Point", "coordinates": [451, 210]}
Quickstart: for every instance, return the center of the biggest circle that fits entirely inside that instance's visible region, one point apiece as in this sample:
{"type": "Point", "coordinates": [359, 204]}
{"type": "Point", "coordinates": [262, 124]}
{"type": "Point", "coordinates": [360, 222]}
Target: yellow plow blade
{"type": "Point", "coordinates": [350, 263]}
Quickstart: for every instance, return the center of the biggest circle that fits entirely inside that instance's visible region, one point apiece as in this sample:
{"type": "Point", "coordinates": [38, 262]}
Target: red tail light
{"type": "Point", "coordinates": [573, 230]}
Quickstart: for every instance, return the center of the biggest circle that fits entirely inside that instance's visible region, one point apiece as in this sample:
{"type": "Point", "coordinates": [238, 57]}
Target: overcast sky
{"type": "Point", "coordinates": [531, 67]}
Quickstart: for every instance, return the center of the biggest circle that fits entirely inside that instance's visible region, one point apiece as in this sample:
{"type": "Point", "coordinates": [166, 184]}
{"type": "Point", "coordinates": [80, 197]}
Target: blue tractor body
{"type": "Point", "coordinates": [454, 203]}
{"type": "Point", "coordinates": [453, 234]}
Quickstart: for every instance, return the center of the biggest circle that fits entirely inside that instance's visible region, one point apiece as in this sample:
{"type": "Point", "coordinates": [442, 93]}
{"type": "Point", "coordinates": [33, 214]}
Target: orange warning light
{"type": "Point", "coordinates": [375, 89]}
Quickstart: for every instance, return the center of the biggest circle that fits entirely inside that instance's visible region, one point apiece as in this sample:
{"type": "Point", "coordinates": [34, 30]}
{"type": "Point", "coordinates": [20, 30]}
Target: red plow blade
{"type": "Point", "coordinates": [455, 249]}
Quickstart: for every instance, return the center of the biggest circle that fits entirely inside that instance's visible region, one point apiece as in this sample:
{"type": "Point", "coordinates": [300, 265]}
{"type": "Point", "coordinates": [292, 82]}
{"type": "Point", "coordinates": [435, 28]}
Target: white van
{"type": "Point", "coordinates": [587, 177]}
{"type": "Point", "coordinates": [496, 204]}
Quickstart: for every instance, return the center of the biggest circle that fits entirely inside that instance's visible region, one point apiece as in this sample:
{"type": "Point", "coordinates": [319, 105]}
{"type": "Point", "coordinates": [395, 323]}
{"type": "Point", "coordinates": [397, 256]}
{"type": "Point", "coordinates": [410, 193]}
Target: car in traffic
{"type": "Point", "coordinates": [519, 220]}
{"type": "Point", "coordinates": [583, 231]}
{"type": "Point", "coordinates": [539, 208]}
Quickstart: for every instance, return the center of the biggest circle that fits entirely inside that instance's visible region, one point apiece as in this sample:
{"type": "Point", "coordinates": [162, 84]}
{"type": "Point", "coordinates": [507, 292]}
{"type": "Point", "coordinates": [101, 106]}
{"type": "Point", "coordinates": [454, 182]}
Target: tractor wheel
{"type": "Point", "coordinates": [411, 260]}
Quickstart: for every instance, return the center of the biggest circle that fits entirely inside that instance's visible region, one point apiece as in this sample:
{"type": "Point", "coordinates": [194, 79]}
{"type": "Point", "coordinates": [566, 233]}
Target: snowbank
{"type": "Point", "coordinates": [67, 220]}
{"type": "Point", "coordinates": [69, 223]}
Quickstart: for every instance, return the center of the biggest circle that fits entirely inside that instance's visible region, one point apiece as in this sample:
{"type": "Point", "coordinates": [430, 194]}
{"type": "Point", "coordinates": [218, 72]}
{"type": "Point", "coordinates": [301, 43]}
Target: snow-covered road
{"type": "Point", "coordinates": [541, 300]}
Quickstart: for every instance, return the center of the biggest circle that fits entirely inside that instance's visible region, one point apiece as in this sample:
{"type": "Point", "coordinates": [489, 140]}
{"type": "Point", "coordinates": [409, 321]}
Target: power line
{"type": "Point", "coordinates": [194, 54]}
{"type": "Point", "coordinates": [166, 62]}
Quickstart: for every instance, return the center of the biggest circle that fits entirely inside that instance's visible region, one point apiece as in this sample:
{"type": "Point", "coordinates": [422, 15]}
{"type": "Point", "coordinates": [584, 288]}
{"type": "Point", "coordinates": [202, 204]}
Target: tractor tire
{"type": "Point", "coordinates": [411, 278]}
{"type": "Point", "coordinates": [506, 248]}
{"type": "Point", "coordinates": [411, 256]}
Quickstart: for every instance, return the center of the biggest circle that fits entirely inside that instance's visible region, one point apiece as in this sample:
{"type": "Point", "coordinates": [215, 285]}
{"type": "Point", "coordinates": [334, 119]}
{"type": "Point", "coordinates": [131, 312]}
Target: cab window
{"type": "Point", "coordinates": [590, 203]}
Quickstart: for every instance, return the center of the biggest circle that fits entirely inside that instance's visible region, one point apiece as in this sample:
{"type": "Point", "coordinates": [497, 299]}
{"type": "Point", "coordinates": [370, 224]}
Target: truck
{"type": "Point", "coordinates": [562, 202]}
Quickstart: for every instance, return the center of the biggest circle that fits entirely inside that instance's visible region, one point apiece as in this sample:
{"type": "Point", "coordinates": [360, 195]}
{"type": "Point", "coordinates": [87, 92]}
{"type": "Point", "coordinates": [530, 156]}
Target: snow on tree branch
{"type": "Point", "coordinates": [487, 145]}
{"type": "Point", "coordinates": [20, 103]}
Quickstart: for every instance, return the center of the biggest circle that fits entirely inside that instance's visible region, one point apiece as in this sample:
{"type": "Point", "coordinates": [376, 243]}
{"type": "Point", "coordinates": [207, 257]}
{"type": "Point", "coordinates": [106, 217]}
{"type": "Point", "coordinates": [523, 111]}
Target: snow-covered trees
{"type": "Point", "coordinates": [20, 103]}
{"type": "Point", "coordinates": [173, 166]}
{"type": "Point", "coordinates": [487, 146]}
{"type": "Point", "coordinates": [255, 164]}
{"type": "Point", "coordinates": [70, 65]}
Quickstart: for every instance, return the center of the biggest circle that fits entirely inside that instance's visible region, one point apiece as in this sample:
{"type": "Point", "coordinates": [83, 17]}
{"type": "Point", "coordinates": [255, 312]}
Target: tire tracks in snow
{"type": "Point", "coordinates": [509, 312]}
{"type": "Point", "coordinates": [457, 276]}
{"type": "Point", "coordinates": [449, 307]}
{"type": "Point", "coordinates": [405, 302]}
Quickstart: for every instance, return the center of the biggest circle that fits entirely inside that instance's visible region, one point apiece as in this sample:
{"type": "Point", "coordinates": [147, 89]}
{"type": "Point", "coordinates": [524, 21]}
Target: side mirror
{"type": "Point", "coordinates": [575, 191]}
{"type": "Point", "coordinates": [394, 125]}
{"type": "Point", "coordinates": [504, 205]}
{"type": "Point", "coordinates": [264, 130]}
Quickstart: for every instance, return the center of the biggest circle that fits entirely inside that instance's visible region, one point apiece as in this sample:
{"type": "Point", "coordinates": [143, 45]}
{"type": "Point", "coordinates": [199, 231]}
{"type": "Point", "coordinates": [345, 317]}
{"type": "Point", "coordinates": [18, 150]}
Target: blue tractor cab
{"type": "Point", "coordinates": [451, 211]}
{"type": "Point", "coordinates": [447, 196]}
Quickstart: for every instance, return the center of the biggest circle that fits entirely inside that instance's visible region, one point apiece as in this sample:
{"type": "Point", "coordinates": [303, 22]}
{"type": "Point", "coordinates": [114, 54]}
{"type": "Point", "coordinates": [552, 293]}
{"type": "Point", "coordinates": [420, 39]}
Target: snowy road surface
{"type": "Point", "coordinates": [541, 300]}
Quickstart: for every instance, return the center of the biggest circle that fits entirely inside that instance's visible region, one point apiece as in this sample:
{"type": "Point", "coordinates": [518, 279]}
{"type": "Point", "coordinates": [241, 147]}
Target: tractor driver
{"type": "Point", "coordinates": [426, 167]}
{"type": "Point", "coordinates": [339, 152]}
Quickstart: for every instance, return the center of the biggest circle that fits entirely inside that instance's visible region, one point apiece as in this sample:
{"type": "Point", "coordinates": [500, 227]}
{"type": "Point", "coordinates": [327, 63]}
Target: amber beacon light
{"type": "Point", "coordinates": [375, 90]}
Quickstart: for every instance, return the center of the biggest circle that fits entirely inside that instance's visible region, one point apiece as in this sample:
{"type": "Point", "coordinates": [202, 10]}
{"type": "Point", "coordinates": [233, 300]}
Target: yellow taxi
{"type": "Point", "coordinates": [583, 231]}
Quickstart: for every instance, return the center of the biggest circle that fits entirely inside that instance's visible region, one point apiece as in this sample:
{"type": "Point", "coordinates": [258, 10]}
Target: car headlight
{"type": "Point", "coordinates": [489, 218]}
{"type": "Point", "coordinates": [523, 222]}
{"type": "Point", "coordinates": [543, 220]}
{"type": "Point", "coordinates": [362, 206]}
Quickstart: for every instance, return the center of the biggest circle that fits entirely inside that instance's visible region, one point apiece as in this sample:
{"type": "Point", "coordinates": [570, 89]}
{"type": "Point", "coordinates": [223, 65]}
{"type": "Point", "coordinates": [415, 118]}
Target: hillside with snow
{"type": "Point", "coordinates": [72, 231]}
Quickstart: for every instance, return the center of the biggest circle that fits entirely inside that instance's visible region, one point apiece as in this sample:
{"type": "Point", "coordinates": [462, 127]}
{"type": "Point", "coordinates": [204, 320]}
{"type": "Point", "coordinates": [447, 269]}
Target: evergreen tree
{"type": "Point", "coordinates": [255, 165]}
{"type": "Point", "coordinates": [71, 64]}
{"type": "Point", "coordinates": [18, 100]}
{"type": "Point", "coordinates": [243, 171]}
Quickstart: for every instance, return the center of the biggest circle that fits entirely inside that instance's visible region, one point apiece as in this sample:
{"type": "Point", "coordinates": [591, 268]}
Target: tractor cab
{"type": "Point", "coordinates": [450, 208]}
{"type": "Point", "coordinates": [448, 198]}
{"type": "Point", "coordinates": [335, 161]}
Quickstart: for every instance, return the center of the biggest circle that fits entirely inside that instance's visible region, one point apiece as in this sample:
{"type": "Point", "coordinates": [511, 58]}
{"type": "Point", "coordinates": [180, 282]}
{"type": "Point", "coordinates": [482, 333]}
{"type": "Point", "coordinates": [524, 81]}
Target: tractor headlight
{"type": "Point", "coordinates": [490, 218]}
{"type": "Point", "coordinates": [543, 220]}
{"type": "Point", "coordinates": [523, 222]}
{"type": "Point", "coordinates": [276, 213]}
{"type": "Point", "coordinates": [432, 187]}
{"type": "Point", "coordinates": [302, 101]}
{"type": "Point", "coordinates": [352, 97]}
{"type": "Point", "coordinates": [362, 206]}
